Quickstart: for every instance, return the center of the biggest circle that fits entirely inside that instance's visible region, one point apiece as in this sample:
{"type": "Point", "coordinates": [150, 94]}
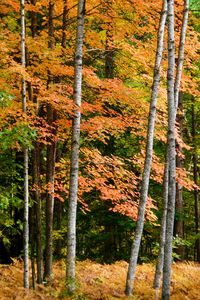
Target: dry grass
{"type": "Point", "coordinates": [96, 281]}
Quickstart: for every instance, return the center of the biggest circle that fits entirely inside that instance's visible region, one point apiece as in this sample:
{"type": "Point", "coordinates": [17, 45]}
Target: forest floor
{"type": "Point", "coordinates": [96, 281]}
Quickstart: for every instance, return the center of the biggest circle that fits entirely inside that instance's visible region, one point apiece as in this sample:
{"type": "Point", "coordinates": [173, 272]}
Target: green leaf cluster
{"type": "Point", "coordinates": [17, 137]}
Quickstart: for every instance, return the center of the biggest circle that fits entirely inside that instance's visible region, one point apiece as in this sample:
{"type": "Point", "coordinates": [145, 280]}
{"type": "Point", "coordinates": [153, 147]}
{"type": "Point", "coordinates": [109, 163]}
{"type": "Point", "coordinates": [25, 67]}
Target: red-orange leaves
{"type": "Point", "coordinates": [111, 181]}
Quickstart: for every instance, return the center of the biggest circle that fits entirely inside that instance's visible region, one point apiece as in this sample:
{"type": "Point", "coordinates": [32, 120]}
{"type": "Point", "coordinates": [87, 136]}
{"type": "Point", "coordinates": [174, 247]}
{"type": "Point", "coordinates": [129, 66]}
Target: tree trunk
{"type": "Point", "coordinates": [58, 213]}
{"type": "Point", "coordinates": [171, 156]}
{"type": "Point", "coordinates": [181, 52]}
{"type": "Point", "coordinates": [26, 221]}
{"type": "Point", "coordinates": [148, 157]}
{"type": "Point", "coordinates": [178, 224]}
{"type": "Point", "coordinates": [64, 26]}
{"type": "Point", "coordinates": [159, 266]}
{"type": "Point", "coordinates": [73, 187]}
{"type": "Point", "coordinates": [196, 180]}
{"type": "Point", "coordinates": [26, 189]}
{"type": "Point", "coordinates": [50, 170]}
{"type": "Point", "coordinates": [36, 170]}
{"type": "Point", "coordinates": [32, 239]}
{"type": "Point", "coordinates": [33, 20]}
{"type": "Point", "coordinates": [38, 212]}
{"type": "Point", "coordinates": [50, 175]}
{"type": "Point", "coordinates": [109, 52]}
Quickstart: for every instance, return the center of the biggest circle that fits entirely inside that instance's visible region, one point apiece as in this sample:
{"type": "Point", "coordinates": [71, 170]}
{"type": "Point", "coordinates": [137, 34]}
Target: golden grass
{"type": "Point", "coordinates": [101, 282]}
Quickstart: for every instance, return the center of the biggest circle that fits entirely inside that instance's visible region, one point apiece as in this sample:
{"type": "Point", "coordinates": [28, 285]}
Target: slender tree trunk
{"type": "Point", "coordinates": [50, 175]}
{"type": "Point", "coordinates": [58, 204]}
{"type": "Point", "coordinates": [51, 25]}
{"type": "Point", "coordinates": [176, 97]}
{"type": "Point", "coordinates": [159, 265]}
{"type": "Point", "coordinates": [171, 155]}
{"type": "Point", "coordinates": [36, 169]}
{"type": "Point", "coordinates": [148, 157]}
{"type": "Point", "coordinates": [109, 48]}
{"type": "Point", "coordinates": [181, 52]}
{"type": "Point", "coordinates": [38, 212]}
{"type": "Point", "coordinates": [109, 53]}
{"type": "Point", "coordinates": [196, 177]}
{"type": "Point", "coordinates": [59, 214]}
{"type": "Point", "coordinates": [73, 188]}
{"type": "Point", "coordinates": [179, 224]}
{"type": "Point", "coordinates": [26, 221]}
{"type": "Point", "coordinates": [64, 26]}
{"type": "Point", "coordinates": [32, 239]}
{"type": "Point", "coordinates": [26, 189]}
{"type": "Point", "coordinates": [51, 153]}
{"type": "Point", "coordinates": [50, 171]}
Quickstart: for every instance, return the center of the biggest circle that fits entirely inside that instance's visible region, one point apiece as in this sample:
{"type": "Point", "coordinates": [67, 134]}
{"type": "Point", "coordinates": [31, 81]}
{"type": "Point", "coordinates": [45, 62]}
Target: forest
{"type": "Point", "coordinates": [99, 149]}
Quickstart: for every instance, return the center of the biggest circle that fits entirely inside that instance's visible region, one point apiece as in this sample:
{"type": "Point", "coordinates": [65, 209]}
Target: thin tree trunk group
{"type": "Point", "coordinates": [169, 182]}
{"type": "Point", "coordinates": [51, 156]}
{"type": "Point", "coordinates": [169, 186]}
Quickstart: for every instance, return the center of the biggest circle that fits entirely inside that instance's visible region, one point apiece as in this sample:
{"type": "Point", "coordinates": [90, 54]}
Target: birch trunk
{"type": "Point", "coordinates": [171, 156]}
{"type": "Point", "coordinates": [26, 189]}
{"type": "Point", "coordinates": [148, 158]}
{"type": "Point", "coordinates": [181, 53]}
{"type": "Point", "coordinates": [159, 266]}
{"type": "Point", "coordinates": [73, 188]}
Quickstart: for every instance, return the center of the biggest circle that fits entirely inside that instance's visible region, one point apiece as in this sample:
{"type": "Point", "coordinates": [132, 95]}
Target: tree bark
{"type": "Point", "coordinates": [196, 180]}
{"type": "Point", "coordinates": [50, 176]}
{"type": "Point", "coordinates": [148, 156]}
{"type": "Point", "coordinates": [181, 52]}
{"type": "Point", "coordinates": [33, 20]}
{"type": "Point", "coordinates": [179, 224]}
{"type": "Point", "coordinates": [36, 170]}
{"type": "Point", "coordinates": [26, 188]}
{"type": "Point", "coordinates": [58, 213]}
{"type": "Point", "coordinates": [64, 26]}
{"type": "Point", "coordinates": [32, 240]}
{"type": "Point", "coordinates": [38, 212]}
{"type": "Point", "coordinates": [50, 170]}
{"type": "Point", "coordinates": [171, 156]}
{"type": "Point", "coordinates": [109, 52]}
{"type": "Point", "coordinates": [159, 266]}
{"type": "Point", "coordinates": [74, 167]}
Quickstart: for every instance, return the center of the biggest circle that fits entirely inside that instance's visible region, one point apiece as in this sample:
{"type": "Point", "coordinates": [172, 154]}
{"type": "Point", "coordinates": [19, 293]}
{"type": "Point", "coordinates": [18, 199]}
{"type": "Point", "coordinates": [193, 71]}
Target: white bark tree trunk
{"type": "Point", "coordinates": [159, 265]}
{"type": "Point", "coordinates": [179, 68]}
{"type": "Point", "coordinates": [148, 157]}
{"type": "Point", "coordinates": [26, 189]}
{"type": "Point", "coordinates": [181, 53]}
{"type": "Point", "coordinates": [73, 188]}
{"type": "Point", "coordinates": [171, 155]}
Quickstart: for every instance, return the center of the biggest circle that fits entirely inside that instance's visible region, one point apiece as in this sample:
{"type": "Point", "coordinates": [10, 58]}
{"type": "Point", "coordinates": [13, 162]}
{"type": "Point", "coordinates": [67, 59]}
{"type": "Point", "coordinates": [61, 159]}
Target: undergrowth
{"type": "Point", "coordinates": [100, 282]}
